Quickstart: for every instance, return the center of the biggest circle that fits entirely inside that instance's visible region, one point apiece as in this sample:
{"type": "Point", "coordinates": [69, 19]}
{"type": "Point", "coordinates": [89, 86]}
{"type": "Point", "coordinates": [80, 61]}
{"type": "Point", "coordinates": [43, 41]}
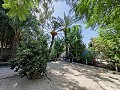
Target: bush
{"type": "Point", "coordinates": [31, 58]}
{"type": "Point", "coordinates": [4, 64]}
{"type": "Point", "coordinates": [57, 49]}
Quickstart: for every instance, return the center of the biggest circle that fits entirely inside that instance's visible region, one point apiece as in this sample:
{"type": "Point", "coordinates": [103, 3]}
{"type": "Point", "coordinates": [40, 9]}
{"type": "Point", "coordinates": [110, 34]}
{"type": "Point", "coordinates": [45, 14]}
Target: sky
{"type": "Point", "coordinates": [60, 8]}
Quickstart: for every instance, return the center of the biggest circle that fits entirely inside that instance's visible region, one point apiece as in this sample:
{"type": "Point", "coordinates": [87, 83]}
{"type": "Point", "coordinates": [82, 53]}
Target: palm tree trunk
{"type": "Point", "coordinates": [66, 44]}
{"type": "Point", "coordinates": [53, 37]}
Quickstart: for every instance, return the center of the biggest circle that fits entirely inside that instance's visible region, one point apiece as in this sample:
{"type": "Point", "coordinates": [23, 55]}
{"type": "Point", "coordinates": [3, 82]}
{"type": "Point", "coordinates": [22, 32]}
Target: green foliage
{"type": "Point", "coordinates": [31, 57]}
{"type": "Point", "coordinates": [88, 55]}
{"type": "Point", "coordinates": [22, 8]}
{"type": "Point", "coordinates": [98, 12]}
{"type": "Point", "coordinates": [6, 33]}
{"type": "Point", "coordinates": [108, 43]}
{"type": "Point", "coordinates": [18, 8]}
{"type": "Point", "coordinates": [104, 14]}
{"type": "Point", "coordinates": [31, 43]}
{"type": "Point", "coordinates": [65, 24]}
{"type": "Point", "coordinates": [76, 46]}
{"type": "Point", "coordinates": [111, 43]}
{"type": "Point", "coordinates": [54, 27]}
{"type": "Point", "coordinates": [32, 49]}
{"type": "Point", "coordinates": [57, 49]}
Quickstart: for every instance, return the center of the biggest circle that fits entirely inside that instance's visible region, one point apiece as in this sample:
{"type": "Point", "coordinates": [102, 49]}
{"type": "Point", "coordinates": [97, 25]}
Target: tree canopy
{"type": "Point", "coordinates": [105, 16]}
{"type": "Point", "coordinates": [105, 13]}
{"type": "Point", "coordinates": [21, 8]}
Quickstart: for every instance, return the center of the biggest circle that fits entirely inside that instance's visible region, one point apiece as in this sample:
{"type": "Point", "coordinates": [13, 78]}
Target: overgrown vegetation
{"type": "Point", "coordinates": [58, 48]}
{"type": "Point", "coordinates": [29, 46]}
{"type": "Point", "coordinates": [31, 57]}
{"type": "Point", "coordinates": [103, 15]}
{"type": "Point", "coordinates": [75, 44]}
{"type": "Point", "coordinates": [22, 36]}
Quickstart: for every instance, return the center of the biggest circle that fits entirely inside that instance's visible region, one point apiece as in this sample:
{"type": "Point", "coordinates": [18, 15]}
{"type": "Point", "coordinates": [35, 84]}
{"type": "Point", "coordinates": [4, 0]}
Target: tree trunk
{"type": "Point", "coordinates": [5, 47]}
{"type": "Point", "coordinates": [1, 48]}
{"type": "Point", "coordinates": [53, 37]}
{"type": "Point", "coordinates": [15, 43]}
{"type": "Point", "coordinates": [116, 68]}
{"type": "Point", "coordinates": [66, 44]}
{"type": "Point", "coordinates": [57, 54]}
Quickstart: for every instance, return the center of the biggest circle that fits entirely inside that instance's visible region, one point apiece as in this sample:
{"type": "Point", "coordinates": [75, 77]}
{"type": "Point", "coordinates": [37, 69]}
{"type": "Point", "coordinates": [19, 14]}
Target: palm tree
{"type": "Point", "coordinates": [54, 27]}
{"type": "Point", "coordinates": [65, 24]}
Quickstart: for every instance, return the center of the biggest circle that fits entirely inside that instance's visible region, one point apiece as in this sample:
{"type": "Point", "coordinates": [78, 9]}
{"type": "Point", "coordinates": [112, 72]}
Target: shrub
{"type": "Point", "coordinates": [31, 58]}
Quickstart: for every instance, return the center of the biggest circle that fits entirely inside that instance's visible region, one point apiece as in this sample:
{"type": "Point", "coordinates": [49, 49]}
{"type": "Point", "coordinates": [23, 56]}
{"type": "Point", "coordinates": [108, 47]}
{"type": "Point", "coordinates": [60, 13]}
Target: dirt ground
{"type": "Point", "coordinates": [63, 76]}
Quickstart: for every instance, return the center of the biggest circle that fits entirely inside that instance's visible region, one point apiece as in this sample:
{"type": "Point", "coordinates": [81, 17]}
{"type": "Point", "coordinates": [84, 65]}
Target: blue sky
{"type": "Point", "coordinates": [60, 8]}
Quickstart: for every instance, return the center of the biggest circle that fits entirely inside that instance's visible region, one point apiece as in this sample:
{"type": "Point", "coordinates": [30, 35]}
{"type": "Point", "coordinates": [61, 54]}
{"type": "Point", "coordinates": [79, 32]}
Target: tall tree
{"type": "Point", "coordinates": [98, 12]}
{"type": "Point", "coordinates": [19, 11]}
{"type": "Point", "coordinates": [75, 43]}
{"type": "Point", "coordinates": [65, 24]}
{"type": "Point", "coordinates": [6, 31]}
{"type": "Point", "coordinates": [54, 26]}
{"type": "Point", "coordinates": [58, 48]}
{"type": "Point", "coordinates": [108, 44]}
{"type": "Point", "coordinates": [104, 14]}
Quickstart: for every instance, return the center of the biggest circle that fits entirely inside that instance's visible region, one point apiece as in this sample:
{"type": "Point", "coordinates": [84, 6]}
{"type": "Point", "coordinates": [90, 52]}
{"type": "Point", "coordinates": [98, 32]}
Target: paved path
{"type": "Point", "coordinates": [64, 76]}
